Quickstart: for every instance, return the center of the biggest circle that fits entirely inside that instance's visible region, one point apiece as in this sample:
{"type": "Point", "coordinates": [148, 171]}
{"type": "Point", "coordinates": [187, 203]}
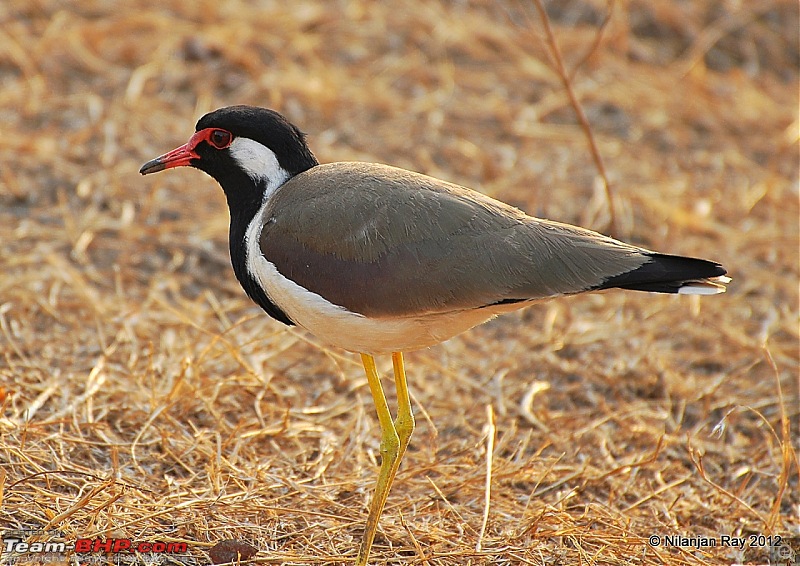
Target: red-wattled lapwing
{"type": "Point", "coordinates": [376, 260]}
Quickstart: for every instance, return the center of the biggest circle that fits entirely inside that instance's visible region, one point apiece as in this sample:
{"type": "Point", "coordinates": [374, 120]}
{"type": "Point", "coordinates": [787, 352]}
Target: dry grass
{"type": "Point", "coordinates": [145, 397]}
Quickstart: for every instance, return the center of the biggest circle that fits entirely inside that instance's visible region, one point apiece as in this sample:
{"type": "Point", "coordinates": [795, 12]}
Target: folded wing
{"type": "Point", "coordinates": [386, 242]}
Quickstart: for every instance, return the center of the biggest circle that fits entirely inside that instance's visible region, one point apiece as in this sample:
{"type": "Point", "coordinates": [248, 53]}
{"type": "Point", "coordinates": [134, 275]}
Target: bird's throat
{"type": "Point", "coordinates": [241, 219]}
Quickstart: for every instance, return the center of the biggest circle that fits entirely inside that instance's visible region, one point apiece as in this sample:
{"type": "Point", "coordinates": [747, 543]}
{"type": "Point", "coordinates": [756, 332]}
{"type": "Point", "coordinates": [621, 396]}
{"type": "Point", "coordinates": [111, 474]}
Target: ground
{"type": "Point", "coordinates": [145, 397]}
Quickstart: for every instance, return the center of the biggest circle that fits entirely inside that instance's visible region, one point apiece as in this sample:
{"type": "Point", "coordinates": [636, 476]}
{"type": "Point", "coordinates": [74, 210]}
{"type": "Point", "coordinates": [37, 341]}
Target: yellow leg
{"type": "Point", "coordinates": [394, 439]}
{"type": "Point", "coordinates": [404, 425]}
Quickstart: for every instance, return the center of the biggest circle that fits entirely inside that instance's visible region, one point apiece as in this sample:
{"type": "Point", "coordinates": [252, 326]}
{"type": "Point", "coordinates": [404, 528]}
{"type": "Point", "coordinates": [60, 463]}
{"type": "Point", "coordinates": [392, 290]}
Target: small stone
{"type": "Point", "coordinates": [231, 550]}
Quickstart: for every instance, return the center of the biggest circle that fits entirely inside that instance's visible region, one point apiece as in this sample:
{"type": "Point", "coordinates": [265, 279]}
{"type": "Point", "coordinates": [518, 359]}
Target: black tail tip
{"type": "Point", "coordinates": [673, 274]}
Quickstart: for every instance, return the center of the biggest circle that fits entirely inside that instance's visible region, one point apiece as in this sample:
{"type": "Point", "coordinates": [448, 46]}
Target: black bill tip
{"type": "Point", "coordinates": [153, 166]}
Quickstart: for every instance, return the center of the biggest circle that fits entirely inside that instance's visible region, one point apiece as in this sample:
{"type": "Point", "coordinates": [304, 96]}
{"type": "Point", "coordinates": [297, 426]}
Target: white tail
{"type": "Point", "coordinates": [711, 286]}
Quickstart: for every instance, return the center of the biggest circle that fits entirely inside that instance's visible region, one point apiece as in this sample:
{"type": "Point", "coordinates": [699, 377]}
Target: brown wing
{"type": "Point", "coordinates": [383, 241]}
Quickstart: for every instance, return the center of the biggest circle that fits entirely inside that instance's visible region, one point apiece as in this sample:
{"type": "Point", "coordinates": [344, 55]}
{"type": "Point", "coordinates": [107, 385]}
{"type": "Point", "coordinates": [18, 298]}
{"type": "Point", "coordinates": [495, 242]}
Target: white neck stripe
{"type": "Point", "coordinates": [260, 164]}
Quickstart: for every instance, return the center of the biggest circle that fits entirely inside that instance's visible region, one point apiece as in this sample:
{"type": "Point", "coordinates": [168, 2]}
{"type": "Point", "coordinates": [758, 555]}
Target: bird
{"type": "Point", "coordinates": [380, 260]}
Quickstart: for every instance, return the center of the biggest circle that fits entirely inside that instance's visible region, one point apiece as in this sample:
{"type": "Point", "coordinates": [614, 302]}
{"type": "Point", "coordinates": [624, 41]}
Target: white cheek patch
{"type": "Point", "coordinates": [259, 162]}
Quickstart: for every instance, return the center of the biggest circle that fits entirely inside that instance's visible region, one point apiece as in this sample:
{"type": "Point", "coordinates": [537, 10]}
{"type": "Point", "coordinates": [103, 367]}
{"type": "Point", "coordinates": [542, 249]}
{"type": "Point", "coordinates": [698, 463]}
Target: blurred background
{"type": "Point", "coordinates": [144, 396]}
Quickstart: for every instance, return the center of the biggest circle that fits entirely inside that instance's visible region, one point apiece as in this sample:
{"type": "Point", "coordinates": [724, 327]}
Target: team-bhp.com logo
{"type": "Point", "coordinates": [94, 545]}
{"type": "Point", "coordinates": [24, 547]}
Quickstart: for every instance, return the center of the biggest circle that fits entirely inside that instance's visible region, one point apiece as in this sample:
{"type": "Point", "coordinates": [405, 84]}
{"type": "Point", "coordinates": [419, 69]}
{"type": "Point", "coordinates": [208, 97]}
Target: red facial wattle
{"type": "Point", "coordinates": [183, 155]}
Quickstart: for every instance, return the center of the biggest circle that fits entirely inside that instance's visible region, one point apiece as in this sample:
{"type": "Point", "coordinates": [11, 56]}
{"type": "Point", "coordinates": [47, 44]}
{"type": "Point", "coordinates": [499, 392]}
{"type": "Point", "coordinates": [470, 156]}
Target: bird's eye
{"type": "Point", "coordinates": [220, 138]}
